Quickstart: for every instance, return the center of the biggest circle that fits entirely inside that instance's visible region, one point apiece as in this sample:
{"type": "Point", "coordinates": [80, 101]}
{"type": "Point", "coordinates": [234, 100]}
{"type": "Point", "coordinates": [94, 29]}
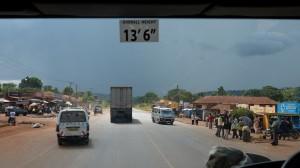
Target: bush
{"type": "Point", "coordinates": [239, 112]}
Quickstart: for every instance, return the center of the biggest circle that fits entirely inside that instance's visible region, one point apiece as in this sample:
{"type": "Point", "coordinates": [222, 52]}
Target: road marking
{"type": "Point", "coordinates": [157, 148]}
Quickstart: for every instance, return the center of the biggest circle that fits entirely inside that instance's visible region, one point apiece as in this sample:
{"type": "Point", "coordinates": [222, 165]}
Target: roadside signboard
{"type": "Point", "coordinates": [139, 30]}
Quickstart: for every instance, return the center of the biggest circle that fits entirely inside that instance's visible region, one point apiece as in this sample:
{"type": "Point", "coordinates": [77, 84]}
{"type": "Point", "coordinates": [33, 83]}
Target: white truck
{"type": "Point", "coordinates": [121, 104]}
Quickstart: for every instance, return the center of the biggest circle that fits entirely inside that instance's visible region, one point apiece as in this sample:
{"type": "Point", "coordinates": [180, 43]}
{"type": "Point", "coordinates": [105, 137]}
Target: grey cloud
{"type": "Point", "coordinates": [263, 44]}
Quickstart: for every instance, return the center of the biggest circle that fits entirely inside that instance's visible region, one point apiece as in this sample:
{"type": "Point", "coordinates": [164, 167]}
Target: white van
{"type": "Point", "coordinates": [163, 115]}
{"type": "Point", "coordinates": [72, 124]}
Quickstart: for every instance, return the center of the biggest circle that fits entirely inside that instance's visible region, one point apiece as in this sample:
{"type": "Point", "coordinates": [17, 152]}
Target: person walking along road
{"type": "Point", "coordinates": [226, 126]}
{"type": "Point", "coordinates": [220, 124]}
{"type": "Point", "coordinates": [210, 121]}
{"type": "Point", "coordinates": [275, 130]}
{"type": "Point", "coordinates": [234, 128]}
{"type": "Point", "coordinates": [256, 125]}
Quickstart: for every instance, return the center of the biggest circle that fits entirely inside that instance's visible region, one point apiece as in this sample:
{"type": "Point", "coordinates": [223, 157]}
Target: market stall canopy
{"type": "Point", "coordinates": [35, 100]}
{"type": "Point", "coordinates": [57, 101]}
{"type": "Point", "coordinates": [2, 100]}
{"type": "Point", "coordinates": [33, 104]}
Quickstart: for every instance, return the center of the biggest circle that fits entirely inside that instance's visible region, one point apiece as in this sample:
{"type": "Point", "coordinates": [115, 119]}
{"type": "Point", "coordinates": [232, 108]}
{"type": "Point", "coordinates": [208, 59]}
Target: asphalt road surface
{"type": "Point", "coordinates": [141, 144]}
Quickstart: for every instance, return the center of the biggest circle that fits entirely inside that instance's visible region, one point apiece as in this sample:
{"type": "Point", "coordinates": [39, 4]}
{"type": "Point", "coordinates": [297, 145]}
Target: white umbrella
{"type": "Point", "coordinates": [44, 101]}
{"type": "Point", "coordinates": [2, 100]}
{"type": "Point", "coordinates": [68, 103]}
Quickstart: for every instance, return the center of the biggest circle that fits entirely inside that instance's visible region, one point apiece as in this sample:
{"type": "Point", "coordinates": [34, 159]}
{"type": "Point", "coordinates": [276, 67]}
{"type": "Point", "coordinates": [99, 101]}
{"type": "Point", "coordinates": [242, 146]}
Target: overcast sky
{"type": "Point", "coordinates": [198, 55]}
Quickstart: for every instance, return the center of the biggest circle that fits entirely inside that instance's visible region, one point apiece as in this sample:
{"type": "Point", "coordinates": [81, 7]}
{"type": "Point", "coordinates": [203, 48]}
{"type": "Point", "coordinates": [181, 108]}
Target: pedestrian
{"type": "Point", "coordinates": [206, 121]}
{"type": "Point", "coordinates": [210, 121]}
{"type": "Point", "coordinates": [230, 122]}
{"type": "Point", "coordinates": [256, 125]}
{"type": "Point", "coordinates": [220, 124]}
{"type": "Point", "coordinates": [226, 127]}
{"type": "Point", "coordinates": [246, 133]}
{"type": "Point", "coordinates": [234, 128]}
{"type": "Point", "coordinates": [240, 129]}
{"type": "Point", "coordinates": [193, 118]}
{"type": "Point", "coordinates": [275, 130]}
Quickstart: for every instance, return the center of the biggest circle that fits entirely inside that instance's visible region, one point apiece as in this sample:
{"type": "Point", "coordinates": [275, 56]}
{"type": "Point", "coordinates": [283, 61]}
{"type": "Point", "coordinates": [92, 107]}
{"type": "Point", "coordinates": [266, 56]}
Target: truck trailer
{"type": "Point", "coordinates": [121, 104]}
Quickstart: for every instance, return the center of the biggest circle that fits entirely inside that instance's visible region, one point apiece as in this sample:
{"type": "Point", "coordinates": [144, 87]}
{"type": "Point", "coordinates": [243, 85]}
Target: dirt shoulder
{"type": "Point", "coordinates": [24, 124]}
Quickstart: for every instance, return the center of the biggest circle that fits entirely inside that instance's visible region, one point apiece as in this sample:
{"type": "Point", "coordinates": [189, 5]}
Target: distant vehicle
{"type": "Point", "coordinates": [72, 124]}
{"type": "Point", "coordinates": [163, 115]}
{"type": "Point", "coordinates": [121, 104]}
{"type": "Point", "coordinates": [18, 110]}
{"type": "Point", "coordinates": [97, 109]}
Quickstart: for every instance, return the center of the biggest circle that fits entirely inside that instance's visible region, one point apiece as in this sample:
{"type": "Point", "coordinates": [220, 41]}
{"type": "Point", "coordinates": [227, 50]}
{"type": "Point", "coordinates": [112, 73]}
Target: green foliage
{"type": "Point", "coordinates": [253, 92]}
{"type": "Point", "coordinates": [9, 87]}
{"type": "Point", "coordinates": [272, 92]}
{"type": "Point", "coordinates": [148, 98]}
{"type": "Point", "coordinates": [239, 112]}
{"type": "Point", "coordinates": [289, 94]}
{"type": "Point", "coordinates": [68, 90]}
{"type": "Point", "coordinates": [179, 94]}
{"type": "Point", "coordinates": [55, 90]}
{"type": "Point", "coordinates": [48, 88]}
{"type": "Point", "coordinates": [31, 82]}
{"type": "Point", "coordinates": [88, 96]}
{"type": "Point", "coordinates": [221, 91]}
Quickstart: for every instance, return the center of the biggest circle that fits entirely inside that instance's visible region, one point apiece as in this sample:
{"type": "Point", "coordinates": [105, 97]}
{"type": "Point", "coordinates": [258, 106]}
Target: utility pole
{"type": "Point", "coordinates": [76, 87]}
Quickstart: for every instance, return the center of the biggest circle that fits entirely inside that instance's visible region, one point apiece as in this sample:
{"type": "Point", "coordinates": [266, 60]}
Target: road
{"type": "Point", "coordinates": [141, 144]}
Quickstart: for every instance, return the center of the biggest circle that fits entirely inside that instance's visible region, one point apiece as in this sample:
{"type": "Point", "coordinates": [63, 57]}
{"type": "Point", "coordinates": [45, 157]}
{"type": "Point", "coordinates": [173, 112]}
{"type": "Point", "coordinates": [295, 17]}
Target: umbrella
{"type": "Point", "coordinates": [68, 103]}
{"type": "Point", "coordinates": [2, 100]}
{"type": "Point", "coordinates": [44, 101]}
{"type": "Point", "coordinates": [246, 120]}
{"type": "Point", "coordinates": [33, 104]}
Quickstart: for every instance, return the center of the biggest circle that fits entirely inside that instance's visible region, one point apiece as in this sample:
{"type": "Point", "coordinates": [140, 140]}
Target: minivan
{"type": "Point", "coordinates": [163, 115]}
{"type": "Point", "coordinates": [72, 124]}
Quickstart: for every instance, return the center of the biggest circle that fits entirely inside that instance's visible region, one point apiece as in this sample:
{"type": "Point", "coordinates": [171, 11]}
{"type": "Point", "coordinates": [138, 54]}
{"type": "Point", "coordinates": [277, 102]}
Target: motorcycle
{"type": "Point", "coordinates": [12, 121]}
{"type": "Point", "coordinates": [293, 133]}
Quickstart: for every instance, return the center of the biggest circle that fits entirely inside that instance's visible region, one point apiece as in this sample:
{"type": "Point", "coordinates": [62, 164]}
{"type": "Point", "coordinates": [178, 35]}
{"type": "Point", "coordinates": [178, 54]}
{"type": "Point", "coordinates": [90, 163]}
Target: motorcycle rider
{"type": "Point", "coordinates": [12, 117]}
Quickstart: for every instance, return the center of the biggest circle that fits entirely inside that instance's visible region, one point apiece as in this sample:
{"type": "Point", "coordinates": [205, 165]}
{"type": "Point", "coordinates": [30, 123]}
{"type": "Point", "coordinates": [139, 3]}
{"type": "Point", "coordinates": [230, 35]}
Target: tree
{"type": "Point", "coordinates": [221, 91]}
{"type": "Point", "coordinates": [179, 94]}
{"type": "Point", "coordinates": [150, 97]}
{"type": "Point", "coordinates": [48, 88]}
{"type": "Point", "coordinates": [68, 90]}
{"type": "Point", "coordinates": [88, 96]}
{"type": "Point", "coordinates": [55, 90]}
{"type": "Point", "coordinates": [6, 87]}
{"type": "Point", "coordinates": [31, 82]}
{"type": "Point", "coordinates": [297, 93]}
{"type": "Point", "coordinates": [239, 112]}
{"type": "Point", "coordinates": [289, 94]}
{"type": "Point", "coordinates": [272, 92]}
{"type": "Point", "coordinates": [253, 92]}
